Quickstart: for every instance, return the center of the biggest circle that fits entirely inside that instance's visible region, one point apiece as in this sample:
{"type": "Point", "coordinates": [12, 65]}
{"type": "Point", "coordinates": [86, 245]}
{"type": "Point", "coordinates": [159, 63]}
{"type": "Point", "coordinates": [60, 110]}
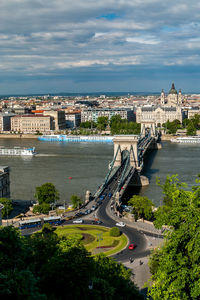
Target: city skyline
{"type": "Point", "coordinates": [112, 46]}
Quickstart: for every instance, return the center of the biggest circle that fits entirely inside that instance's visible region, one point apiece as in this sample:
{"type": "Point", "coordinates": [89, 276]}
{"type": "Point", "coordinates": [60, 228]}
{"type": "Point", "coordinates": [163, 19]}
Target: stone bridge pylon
{"type": "Point", "coordinates": [123, 143]}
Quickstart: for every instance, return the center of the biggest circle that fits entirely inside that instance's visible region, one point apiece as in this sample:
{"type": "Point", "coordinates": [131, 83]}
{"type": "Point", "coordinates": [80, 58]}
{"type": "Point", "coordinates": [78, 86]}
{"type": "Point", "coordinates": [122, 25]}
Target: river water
{"type": "Point", "coordinates": [87, 165]}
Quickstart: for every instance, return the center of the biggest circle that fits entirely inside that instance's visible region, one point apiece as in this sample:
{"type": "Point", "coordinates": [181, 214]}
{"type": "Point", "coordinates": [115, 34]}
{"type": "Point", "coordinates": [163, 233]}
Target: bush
{"type": "Point", "coordinates": [43, 208]}
{"type": "Point", "coordinates": [114, 231]}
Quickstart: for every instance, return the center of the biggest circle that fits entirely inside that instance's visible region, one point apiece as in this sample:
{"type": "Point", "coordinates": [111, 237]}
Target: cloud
{"type": "Point", "coordinates": [50, 36]}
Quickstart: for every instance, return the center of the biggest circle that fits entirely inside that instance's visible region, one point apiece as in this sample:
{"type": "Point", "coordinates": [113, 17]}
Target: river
{"type": "Point", "coordinates": [87, 164]}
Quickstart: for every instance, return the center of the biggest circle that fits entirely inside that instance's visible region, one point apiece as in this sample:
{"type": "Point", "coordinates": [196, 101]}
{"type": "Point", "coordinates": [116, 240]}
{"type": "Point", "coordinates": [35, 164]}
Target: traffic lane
{"type": "Point", "coordinates": [133, 234]}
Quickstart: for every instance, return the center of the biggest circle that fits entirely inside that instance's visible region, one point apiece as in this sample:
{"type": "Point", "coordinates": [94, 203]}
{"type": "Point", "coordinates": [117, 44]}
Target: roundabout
{"type": "Point", "coordinates": [96, 239]}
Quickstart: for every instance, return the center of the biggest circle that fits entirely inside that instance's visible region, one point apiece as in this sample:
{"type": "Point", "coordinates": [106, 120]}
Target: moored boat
{"type": "Point", "coordinates": [189, 139]}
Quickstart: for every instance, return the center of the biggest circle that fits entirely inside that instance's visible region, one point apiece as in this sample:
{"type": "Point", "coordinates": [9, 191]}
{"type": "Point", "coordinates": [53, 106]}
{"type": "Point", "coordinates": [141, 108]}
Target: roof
{"type": "Point", "coordinates": [173, 90]}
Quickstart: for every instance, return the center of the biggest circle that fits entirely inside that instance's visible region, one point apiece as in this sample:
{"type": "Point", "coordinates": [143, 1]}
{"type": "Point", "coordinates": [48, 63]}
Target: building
{"type": "Point", "coordinates": [91, 114]}
{"type": "Point", "coordinates": [5, 121]}
{"type": "Point", "coordinates": [193, 111]}
{"type": "Point", "coordinates": [31, 123]}
{"type": "Point", "coordinates": [73, 119]}
{"type": "Point", "coordinates": [158, 114]}
{"type": "Point", "coordinates": [4, 182]}
{"type": "Point", "coordinates": [58, 118]}
{"type": "Point", "coordinates": [173, 98]}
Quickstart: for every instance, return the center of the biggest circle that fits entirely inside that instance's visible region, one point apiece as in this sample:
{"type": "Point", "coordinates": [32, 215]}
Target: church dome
{"type": "Point", "coordinates": [173, 90]}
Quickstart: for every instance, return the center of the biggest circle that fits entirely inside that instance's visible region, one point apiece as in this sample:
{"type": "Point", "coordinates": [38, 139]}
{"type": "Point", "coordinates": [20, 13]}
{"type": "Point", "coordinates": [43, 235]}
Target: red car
{"type": "Point", "coordinates": [131, 246]}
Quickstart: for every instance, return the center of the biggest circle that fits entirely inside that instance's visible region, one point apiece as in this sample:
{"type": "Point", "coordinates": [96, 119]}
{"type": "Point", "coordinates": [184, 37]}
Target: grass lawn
{"type": "Point", "coordinates": [91, 235]}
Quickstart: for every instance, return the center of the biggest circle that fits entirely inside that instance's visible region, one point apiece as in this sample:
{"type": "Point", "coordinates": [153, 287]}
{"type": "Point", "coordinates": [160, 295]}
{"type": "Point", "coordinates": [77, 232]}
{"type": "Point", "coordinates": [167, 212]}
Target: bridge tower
{"type": "Point", "coordinates": [124, 143]}
{"type": "Point", "coordinates": [150, 125]}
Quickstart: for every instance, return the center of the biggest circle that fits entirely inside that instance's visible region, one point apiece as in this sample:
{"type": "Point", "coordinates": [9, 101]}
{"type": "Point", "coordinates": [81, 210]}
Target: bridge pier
{"type": "Point", "coordinates": [138, 180]}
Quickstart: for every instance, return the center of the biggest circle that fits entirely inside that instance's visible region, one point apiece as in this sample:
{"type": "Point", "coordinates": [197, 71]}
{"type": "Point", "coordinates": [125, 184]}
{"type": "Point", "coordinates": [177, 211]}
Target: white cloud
{"type": "Point", "coordinates": [43, 35]}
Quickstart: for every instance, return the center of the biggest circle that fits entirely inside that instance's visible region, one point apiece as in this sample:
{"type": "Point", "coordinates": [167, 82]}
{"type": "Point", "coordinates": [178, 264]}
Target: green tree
{"type": "Point", "coordinates": [46, 193]}
{"type": "Point", "coordinates": [8, 207]}
{"type": "Point", "coordinates": [76, 201]}
{"type": "Point", "coordinates": [142, 207]}
{"type": "Point", "coordinates": [43, 208]}
{"type": "Point", "coordinates": [17, 279]}
{"type": "Point", "coordinates": [175, 265]}
{"type": "Point", "coordinates": [114, 279]}
{"type": "Point", "coordinates": [191, 130]}
{"type": "Point", "coordinates": [102, 123]}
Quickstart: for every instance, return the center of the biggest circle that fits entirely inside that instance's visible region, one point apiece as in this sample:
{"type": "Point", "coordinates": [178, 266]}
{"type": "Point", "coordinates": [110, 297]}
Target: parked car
{"type": "Point", "coordinates": [93, 207]}
{"type": "Point", "coordinates": [78, 221]}
{"type": "Point", "coordinates": [120, 224]}
{"type": "Point", "coordinates": [88, 211]}
{"type": "Point", "coordinates": [110, 195]}
{"type": "Point", "coordinates": [131, 246]}
{"type": "Point", "coordinates": [78, 214]}
{"type": "Point", "coordinates": [99, 202]}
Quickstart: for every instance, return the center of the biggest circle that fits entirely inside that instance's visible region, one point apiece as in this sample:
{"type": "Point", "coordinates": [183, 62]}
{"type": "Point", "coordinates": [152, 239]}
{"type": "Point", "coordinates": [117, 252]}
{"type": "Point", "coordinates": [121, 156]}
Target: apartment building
{"type": "Point", "coordinates": [193, 111]}
{"type": "Point", "coordinates": [58, 116]}
{"type": "Point", "coordinates": [91, 114]}
{"type": "Point", "coordinates": [5, 121]}
{"type": "Point", "coordinates": [72, 119]}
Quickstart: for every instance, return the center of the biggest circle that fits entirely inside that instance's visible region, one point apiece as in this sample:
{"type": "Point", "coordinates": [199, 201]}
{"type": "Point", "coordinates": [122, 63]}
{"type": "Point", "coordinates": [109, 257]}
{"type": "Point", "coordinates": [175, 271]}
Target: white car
{"type": "Point", "coordinates": [78, 221]}
{"type": "Point", "coordinates": [120, 224]}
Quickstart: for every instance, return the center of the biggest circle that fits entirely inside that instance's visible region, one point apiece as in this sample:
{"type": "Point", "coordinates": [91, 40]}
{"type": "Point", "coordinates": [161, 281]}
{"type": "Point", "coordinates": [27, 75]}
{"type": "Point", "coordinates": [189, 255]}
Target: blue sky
{"type": "Point", "coordinates": [50, 46]}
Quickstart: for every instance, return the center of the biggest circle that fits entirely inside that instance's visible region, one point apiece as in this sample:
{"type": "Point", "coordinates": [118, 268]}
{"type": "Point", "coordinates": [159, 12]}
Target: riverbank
{"type": "Point", "coordinates": [18, 136]}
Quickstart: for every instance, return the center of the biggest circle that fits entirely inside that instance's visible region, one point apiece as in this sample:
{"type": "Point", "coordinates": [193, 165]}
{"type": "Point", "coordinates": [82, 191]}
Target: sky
{"type": "Point", "coordinates": [52, 46]}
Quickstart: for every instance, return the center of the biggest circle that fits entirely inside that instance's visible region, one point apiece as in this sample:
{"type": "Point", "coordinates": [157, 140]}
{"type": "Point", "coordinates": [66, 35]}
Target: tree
{"type": "Point", "coordinates": [17, 279]}
{"type": "Point", "coordinates": [46, 193]}
{"type": "Point", "coordinates": [142, 207]}
{"type": "Point", "coordinates": [43, 208]}
{"type": "Point", "coordinates": [8, 207]}
{"type": "Point", "coordinates": [76, 201]}
{"type": "Point", "coordinates": [111, 277]}
{"type": "Point", "coordinates": [175, 265]}
{"type": "Point", "coordinates": [191, 130]}
{"type": "Point", "coordinates": [102, 123]}
{"type": "Point", "coordinates": [45, 266]}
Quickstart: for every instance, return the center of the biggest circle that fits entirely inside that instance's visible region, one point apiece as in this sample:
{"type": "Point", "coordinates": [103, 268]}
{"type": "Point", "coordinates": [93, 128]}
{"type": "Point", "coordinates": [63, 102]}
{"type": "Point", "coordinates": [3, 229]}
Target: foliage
{"type": "Point", "coordinates": [122, 126]}
{"type": "Point", "coordinates": [102, 123]}
{"type": "Point", "coordinates": [173, 126]}
{"type": "Point", "coordinates": [45, 266]}
{"type": "Point", "coordinates": [191, 130]}
{"type": "Point", "coordinates": [113, 280]}
{"type": "Point", "coordinates": [17, 279]}
{"type": "Point", "coordinates": [46, 193]}
{"type": "Point", "coordinates": [192, 125]}
{"type": "Point", "coordinates": [114, 231]}
{"type": "Point", "coordinates": [8, 207]}
{"type": "Point", "coordinates": [175, 266]}
{"type": "Point", "coordinates": [43, 208]}
{"type": "Point", "coordinates": [76, 201]}
{"type": "Point", "coordinates": [88, 124]}
{"type": "Point", "coordinates": [142, 207]}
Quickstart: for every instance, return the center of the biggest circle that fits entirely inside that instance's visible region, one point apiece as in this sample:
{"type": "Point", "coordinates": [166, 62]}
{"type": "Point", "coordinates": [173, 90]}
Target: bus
{"type": "Point", "coordinates": [53, 220]}
{"type": "Point", "coordinates": [30, 223]}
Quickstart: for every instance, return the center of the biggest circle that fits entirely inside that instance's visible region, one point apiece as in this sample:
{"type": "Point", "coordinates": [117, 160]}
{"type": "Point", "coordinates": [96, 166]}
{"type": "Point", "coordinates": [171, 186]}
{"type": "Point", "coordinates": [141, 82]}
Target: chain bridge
{"type": "Point", "coordinates": [128, 161]}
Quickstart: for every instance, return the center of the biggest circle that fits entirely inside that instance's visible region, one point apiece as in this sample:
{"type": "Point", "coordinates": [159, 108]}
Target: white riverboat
{"type": "Point", "coordinates": [189, 139]}
{"type": "Point", "coordinates": [17, 151]}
